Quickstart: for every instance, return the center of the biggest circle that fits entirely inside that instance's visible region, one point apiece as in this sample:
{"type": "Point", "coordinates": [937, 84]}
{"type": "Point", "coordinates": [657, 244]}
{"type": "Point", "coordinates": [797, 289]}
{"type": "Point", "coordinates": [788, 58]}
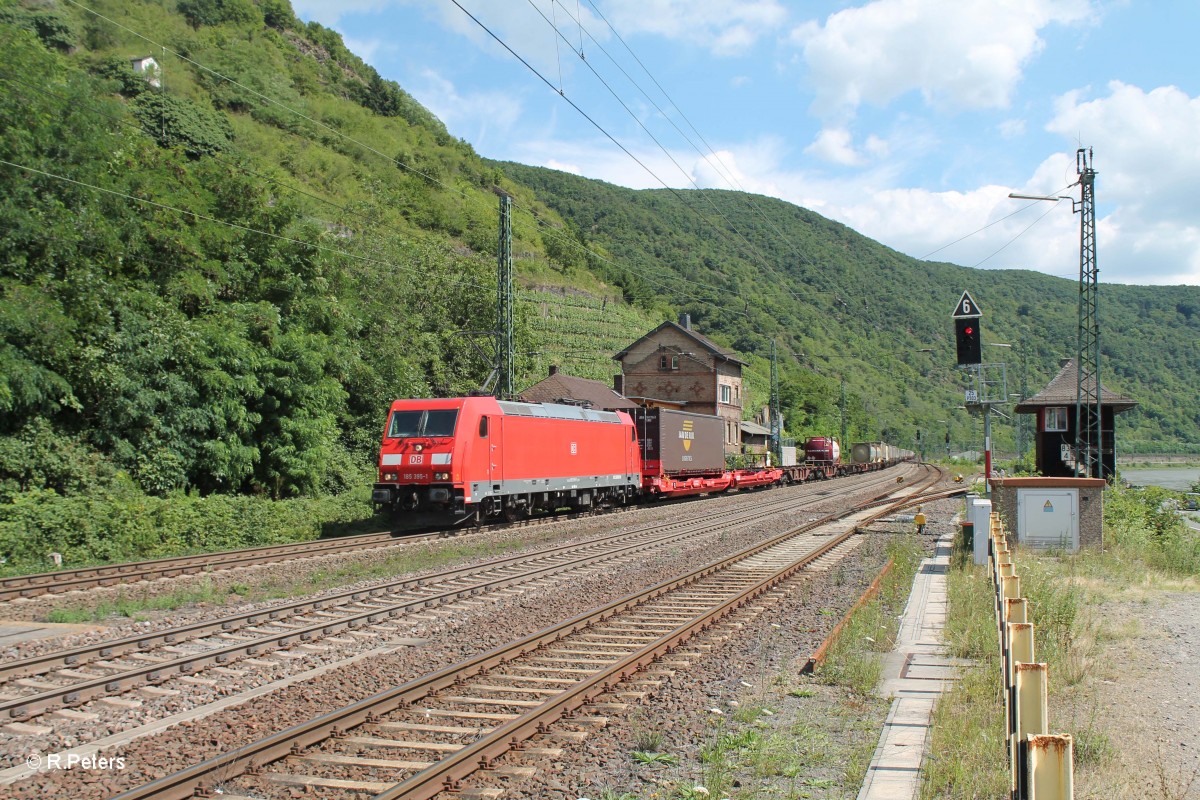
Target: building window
{"type": "Point", "coordinates": [668, 362]}
{"type": "Point", "coordinates": [1056, 419]}
{"type": "Point", "coordinates": [725, 393]}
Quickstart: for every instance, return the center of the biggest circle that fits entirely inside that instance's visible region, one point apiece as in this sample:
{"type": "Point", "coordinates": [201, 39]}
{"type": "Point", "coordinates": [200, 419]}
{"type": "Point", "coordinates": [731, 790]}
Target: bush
{"type": "Point", "coordinates": [179, 122]}
{"type": "Point", "coordinates": [128, 525]}
{"type": "Point", "coordinates": [51, 25]}
{"type": "Point", "coordinates": [1144, 524]}
{"type": "Point", "coordinates": [218, 12]}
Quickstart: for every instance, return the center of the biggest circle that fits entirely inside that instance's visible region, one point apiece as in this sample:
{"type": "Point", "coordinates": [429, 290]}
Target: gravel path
{"type": "Point", "coordinates": [1144, 699]}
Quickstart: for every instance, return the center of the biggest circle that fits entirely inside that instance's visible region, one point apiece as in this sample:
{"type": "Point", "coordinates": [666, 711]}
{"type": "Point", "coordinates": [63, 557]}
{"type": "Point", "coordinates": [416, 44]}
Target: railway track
{"type": "Point", "coordinates": [432, 733]}
{"type": "Point", "coordinates": [15, 587]}
{"type": "Point", "coordinates": [70, 678]}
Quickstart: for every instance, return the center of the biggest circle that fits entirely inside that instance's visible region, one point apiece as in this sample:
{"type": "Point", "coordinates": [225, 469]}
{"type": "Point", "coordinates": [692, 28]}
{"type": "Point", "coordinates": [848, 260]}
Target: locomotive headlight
{"type": "Point", "coordinates": [391, 476]}
{"type": "Point", "coordinates": [418, 447]}
{"type": "Point", "coordinates": [441, 476]}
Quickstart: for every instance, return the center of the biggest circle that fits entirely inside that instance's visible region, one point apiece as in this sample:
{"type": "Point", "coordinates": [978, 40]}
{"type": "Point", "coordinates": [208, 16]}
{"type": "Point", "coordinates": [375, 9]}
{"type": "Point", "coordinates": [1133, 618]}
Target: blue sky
{"type": "Point", "coordinates": [908, 120]}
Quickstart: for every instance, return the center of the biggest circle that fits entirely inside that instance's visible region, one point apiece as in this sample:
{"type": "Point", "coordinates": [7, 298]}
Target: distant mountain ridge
{"type": "Point", "coordinates": [858, 309]}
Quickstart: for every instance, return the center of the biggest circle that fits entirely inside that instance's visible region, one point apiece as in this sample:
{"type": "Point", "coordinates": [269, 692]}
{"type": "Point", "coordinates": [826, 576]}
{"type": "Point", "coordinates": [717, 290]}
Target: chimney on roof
{"type": "Point", "coordinates": [1062, 362]}
{"type": "Point", "coordinates": [553, 369]}
{"type": "Point", "coordinates": [685, 321]}
{"type": "Point", "coordinates": [619, 384]}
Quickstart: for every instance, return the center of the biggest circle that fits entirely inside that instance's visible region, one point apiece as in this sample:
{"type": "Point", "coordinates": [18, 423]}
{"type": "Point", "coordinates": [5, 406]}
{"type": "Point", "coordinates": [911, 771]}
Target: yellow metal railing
{"type": "Point", "coordinates": [1041, 763]}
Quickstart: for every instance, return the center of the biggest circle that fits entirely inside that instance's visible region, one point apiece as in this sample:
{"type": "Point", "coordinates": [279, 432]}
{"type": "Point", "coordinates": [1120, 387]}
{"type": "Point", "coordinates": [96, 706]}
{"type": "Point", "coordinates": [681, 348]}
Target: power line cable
{"type": "Point", "coordinates": [703, 195]}
{"type": "Point", "coordinates": [579, 109]}
{"type": "Point", "coordinates": [990, 224]}
{"type": "Point", "coordinates": [1019, 235]}
{"type": "Point", "coordinates": [726, 172]}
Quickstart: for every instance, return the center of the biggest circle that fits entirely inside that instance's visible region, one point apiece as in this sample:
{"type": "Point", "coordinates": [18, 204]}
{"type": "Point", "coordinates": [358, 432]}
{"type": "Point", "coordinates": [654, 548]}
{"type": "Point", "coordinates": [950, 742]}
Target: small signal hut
{"type": "Point", "coordinates": [1055, 410]}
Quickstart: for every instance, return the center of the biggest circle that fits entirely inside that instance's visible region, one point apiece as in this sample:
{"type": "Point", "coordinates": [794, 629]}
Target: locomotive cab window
{"type": "Point", "coordinates": [409, 423]}
{"type": "Point", "coordinates": [483, 426]}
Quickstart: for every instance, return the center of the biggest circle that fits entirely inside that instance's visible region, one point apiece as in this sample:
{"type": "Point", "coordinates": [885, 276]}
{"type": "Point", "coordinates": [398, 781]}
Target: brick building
{"type": "Point", "coordinates": [675, 365]}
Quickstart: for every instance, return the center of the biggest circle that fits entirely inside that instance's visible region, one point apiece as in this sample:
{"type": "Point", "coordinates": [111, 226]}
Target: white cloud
{"type": "Point", "coordinates": [1012, 128]}
{"type": "Point", "coordinates": [554, 163]}
{"type": "Point", "coordinates": [725, 27]}
{"type": "Point", "coordinates": [718, 171]}
{"type": "Point", "coordinates": [835, 145]}
{"type": "Point", "coordinates": [995, 230]}
{"type": "Point", "coordinates": [1148, 211]}
{"type": "Point", "coordinates": [366, 48]}
{"type": "Point", "coordinates": [877, 147]}
{"type": "Point", "coordinates": [1148, 167]}
{"type": "Point", "coordinates": [1145, 147]}
{"type": "Point", "coordinates": [473, 113]}
{"type": "Point", "coordinates": [957, 53]}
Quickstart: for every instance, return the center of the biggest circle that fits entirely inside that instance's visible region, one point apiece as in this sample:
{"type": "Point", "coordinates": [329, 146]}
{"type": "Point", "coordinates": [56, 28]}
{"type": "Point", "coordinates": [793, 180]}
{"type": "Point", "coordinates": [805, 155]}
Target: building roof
{"type": "Point", "coordinates": [705, 342]}
{"type": "Point", "coordinates": [754, 429]}
{"type": "Point", "coordinates": [570, 390]}
{"type": "Point", "coordinates": [1063, 390]}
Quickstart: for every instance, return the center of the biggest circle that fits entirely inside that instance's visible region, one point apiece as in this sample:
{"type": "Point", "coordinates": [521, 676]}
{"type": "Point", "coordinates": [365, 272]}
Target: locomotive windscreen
{"type": "Point", "coordinates": [434, 422]}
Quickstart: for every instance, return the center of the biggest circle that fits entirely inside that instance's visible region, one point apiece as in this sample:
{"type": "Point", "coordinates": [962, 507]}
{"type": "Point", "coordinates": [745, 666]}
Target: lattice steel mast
{"type": "Point", "coordinates": [776, 410]}
{"type": "Point", "coordinates": [505, 349]}
{"type": "Point", "coordinates": [1089, 436]}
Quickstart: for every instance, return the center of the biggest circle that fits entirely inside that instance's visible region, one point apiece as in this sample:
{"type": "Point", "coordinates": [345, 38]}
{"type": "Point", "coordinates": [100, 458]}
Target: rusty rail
{"type": "Point", "coordinates": [482, 753]}
{"type": "Point", "coordinates": [550, 560]}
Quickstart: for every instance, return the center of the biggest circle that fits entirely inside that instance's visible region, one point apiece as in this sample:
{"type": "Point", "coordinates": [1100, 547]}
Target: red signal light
{"type": "Point", "coordinates": [967, 339]}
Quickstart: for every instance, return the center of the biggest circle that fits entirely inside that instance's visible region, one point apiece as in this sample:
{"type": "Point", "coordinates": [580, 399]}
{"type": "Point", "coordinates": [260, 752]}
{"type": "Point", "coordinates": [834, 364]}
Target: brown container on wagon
{"type": "Point", "coordinates": [680, 443]}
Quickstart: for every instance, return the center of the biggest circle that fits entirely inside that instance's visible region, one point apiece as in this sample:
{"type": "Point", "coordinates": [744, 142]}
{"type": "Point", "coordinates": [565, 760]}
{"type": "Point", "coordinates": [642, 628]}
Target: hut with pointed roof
{"type": "Point", "coordinates": [1056, 423]}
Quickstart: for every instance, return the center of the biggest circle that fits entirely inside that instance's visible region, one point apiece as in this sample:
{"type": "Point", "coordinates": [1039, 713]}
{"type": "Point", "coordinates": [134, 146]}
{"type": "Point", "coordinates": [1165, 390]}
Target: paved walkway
{"type": "Point", "coordinates": [914, 675]}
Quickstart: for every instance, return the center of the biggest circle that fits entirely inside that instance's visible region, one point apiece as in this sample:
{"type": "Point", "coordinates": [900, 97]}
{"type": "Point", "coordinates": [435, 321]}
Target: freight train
{"type": "Point", "coordinates": [474, 459]}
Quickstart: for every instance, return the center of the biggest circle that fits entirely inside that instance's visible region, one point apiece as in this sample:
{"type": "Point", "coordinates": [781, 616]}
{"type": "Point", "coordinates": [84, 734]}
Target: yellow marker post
{"type": "Point", "coordinates": [1016, 609]}
{"type": "Point", "coordinates": [1019, 639]}
{"type": "Point", "coordinates": [1010, 588]}
{"type": "Point", "coordinates": [1051, 774]}
{"type": "Point", "coordinates": [1032, 715]}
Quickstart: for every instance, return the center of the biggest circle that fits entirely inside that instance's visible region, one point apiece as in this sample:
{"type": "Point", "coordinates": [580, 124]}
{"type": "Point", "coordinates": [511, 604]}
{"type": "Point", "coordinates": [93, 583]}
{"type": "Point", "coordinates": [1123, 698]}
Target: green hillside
{"type": "Point", "coordinates": [844, 306]}
{"type": "Point", "coordinates": [216, 284]}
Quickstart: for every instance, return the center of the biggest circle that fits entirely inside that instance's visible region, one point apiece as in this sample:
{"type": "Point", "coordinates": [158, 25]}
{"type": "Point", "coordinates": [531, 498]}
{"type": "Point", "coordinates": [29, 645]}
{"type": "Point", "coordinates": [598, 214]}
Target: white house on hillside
{"type": "Point", "coordinates": [146, 65]}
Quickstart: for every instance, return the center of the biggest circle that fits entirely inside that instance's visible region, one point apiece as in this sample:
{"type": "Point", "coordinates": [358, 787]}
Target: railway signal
{"type": "Point", "coordinates": [966, 330]}
{"type": "Point", "coordinates": [966, 337]}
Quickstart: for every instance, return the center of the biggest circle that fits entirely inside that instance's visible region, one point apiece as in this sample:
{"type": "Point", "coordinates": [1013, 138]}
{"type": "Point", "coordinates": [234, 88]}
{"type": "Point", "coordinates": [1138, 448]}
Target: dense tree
{"type": "Point", "coordinates": [217, 12]}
